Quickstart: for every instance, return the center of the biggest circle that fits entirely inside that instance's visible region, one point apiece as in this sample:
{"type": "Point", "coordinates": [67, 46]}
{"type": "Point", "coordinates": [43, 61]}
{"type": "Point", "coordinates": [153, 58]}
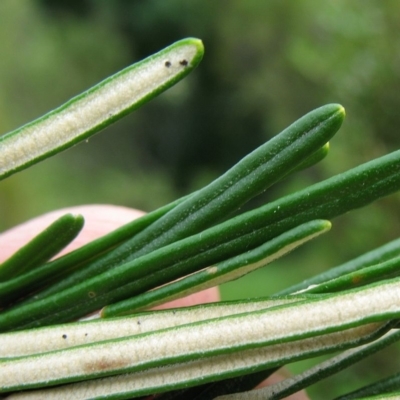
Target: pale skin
{"type": "Point", "coordinates": [99, 220]}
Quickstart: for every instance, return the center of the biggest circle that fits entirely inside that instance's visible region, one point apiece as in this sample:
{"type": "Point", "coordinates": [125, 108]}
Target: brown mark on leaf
{"type": "Point", "coordinates": [92, 294]}
{"type": "Point", "coordinates": [104, 364]}
{"type": "Point", "coordinates": [183, 62]}
{"type": "Point", "coordinates": [167, 64]}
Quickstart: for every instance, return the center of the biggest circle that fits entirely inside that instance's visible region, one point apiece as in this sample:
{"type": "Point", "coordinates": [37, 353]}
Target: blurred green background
{"type": "Point", "coordinates": [266, 64]}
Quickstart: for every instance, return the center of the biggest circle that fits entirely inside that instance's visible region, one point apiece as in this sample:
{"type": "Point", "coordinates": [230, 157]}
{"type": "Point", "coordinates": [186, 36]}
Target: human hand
{"type": "Point", "coordinates": [100, 220]}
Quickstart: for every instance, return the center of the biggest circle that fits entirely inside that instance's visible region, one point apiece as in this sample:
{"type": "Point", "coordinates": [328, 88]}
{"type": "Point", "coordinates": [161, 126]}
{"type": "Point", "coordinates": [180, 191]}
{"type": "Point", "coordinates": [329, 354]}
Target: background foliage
{"type": "Point", "coordinates": [266, 64]}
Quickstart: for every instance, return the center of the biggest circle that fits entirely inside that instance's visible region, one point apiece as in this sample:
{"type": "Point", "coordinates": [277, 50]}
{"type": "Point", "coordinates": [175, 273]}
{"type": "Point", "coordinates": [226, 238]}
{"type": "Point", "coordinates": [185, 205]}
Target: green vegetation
{"type": "Point", "coordinates": [265, 65]}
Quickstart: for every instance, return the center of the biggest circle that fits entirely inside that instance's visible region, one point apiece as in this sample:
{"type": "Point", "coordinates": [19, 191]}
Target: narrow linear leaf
{"type": "Point", "coordinates": [42, 340]}
{"type": "Point", "coordinates": [321, 371]}
{"type": "Point", "coordinates": [210, 391]}
{"type": "Point", "coordinates": [281, 324]}
{"type": "Point", "coordinates": [248, 178]}
{"type": "Point", "coordinates": [42, 247]}
{"type": "Point", "coordinates": [373, 257]}
{"type": "Point", "coordinates": [386, 396]}
{"type": "Point", "coordinates": [384, 386]}
{"type": "Point", "coordinates": [199, 371]}
{"type": "Point", "coordinates": [225, 271]}
{"type": "Point", "coordinates": [315, 158]}
{"type": "Point", "coordinates": [362, 276]}
{"type": "Point", "coordinates": [96, 108]}
{"type": "Point", "coordinates": [55, 270]}
{"type": "Point", "coordinates": [155, 352]}
{"type": "Point", "coordinates": [324, 200]}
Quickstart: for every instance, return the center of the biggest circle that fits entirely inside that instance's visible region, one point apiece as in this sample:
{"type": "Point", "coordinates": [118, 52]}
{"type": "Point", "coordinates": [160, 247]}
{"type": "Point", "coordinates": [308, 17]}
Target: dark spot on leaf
{"type": "Point", "coordinates": [104, 364]}
{"type": "Point", "coordinates": [64, 336]}
{"type": "Point", "coordinates": [167, 64]}
{"type": "Point", "coordinates": [92, 294]}
{"type": "Point", "coordinates": [183, 62]}
{"type": "Point", "coordinates": [138, 322]}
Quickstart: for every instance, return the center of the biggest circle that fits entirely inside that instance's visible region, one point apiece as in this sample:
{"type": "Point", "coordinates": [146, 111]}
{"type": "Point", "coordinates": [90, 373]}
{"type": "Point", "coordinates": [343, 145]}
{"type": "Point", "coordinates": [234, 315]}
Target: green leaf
{"type": "Point", "coordinates": [225, 271]}
{"type": "Point", "coordinates": [379, 255]}
{"type": "Point", "coordinates": [384, 386]}
{"type": "Point", "coordinates": [42, 247]}
{"type": "Point", "coordinates": [360, 277]}
{"type": "Point", "coordinates": [321, 371]}
{"type": "Point", "coordinates": [210, 349]}
{"type": "Point", "coordinates": [315, 158]}
{"type": "Point", "coordinates": [210, 391]}
{"type": "Point", "coordinates": [252, 175]}
{"type": "Point", "coordinates": [55, 270]}
{"type": "Point", "coordinates": [98, 107]}
{"type": "Point", "coordinates": [327, 199]}
{"type": "Point", "coordinates": [56, 337]}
